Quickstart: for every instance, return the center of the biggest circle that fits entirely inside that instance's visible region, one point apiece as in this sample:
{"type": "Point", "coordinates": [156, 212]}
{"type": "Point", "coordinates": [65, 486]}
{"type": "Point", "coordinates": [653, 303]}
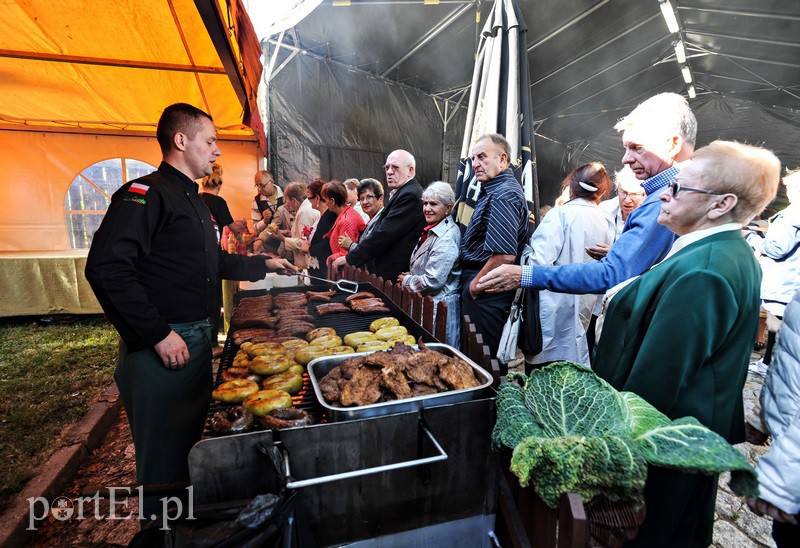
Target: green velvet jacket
{"type": "Point", "coordinates": [680, 336]}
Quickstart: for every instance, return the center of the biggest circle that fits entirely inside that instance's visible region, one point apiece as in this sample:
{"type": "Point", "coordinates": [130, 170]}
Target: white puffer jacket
{"type": "Point", "coordinates": [779, 470]}
{"type": "Point", "coordinates": [780, 259]}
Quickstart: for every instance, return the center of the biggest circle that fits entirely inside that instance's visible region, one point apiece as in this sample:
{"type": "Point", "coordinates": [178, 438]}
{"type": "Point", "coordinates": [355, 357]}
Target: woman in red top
{"type": "Point", "coordinates": [348, 221]}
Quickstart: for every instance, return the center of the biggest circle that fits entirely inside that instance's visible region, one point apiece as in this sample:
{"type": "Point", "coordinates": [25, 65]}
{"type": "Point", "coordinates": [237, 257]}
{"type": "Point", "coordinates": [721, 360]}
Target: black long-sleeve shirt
{"type": "Point", "coordinates": [155, 258]}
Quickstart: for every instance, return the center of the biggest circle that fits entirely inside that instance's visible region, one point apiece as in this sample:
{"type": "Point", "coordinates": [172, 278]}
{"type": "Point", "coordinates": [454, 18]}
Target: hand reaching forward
{"type": "Point", "coordinates": [503, 278]}
{"type": "Point", "coordinates": [760, 507]}
{"type": "Point", "coordinates": [281, 266]}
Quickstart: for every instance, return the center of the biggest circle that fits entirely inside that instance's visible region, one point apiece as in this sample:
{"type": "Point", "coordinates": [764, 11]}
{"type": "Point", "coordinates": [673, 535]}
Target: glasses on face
{"type": "Point", "coordinates": [393, 167]}
{"type": "Point", "coordinates": [625, 195]}
{"type": "Point", "coordinates": [676, 187]}
{"type": "Point", "coordinates": [367, 197]}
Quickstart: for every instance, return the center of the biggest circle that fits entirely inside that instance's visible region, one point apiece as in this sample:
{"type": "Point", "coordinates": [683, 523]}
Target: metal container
{"type": "Point", "coordinates": [409, 479]}
{"type": "Point", "coordinates": [320, 367]}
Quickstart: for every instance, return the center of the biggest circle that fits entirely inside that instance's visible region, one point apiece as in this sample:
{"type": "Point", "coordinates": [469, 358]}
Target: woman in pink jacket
{"type": "Point", "coordinates": [348, 221]}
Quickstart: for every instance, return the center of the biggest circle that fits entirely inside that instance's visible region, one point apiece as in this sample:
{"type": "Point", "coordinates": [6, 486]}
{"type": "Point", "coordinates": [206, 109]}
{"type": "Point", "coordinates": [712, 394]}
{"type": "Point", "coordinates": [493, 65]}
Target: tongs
{"type": "Point", "coordinates": [346, 286]}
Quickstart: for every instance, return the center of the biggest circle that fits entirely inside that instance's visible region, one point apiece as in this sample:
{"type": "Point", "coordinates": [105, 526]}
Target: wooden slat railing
{"type": "Point", "coordinates": [525, 520]}
{"type": "Point", "coordinates": [421, 309]}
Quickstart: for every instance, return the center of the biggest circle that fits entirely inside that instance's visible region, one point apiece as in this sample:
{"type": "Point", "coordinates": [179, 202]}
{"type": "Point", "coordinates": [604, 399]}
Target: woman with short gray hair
{"type": "Point", "coordinates": [434, 268]}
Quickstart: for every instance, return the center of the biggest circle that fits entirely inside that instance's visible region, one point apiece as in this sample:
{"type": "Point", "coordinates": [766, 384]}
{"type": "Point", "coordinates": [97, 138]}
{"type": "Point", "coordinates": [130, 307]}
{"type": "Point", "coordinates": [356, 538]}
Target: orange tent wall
{"type": "Point", "coordinates": [38, 168]}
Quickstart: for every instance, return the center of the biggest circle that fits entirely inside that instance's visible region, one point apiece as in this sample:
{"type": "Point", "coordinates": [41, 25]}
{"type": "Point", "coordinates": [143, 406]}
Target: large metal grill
{"type": "Point", "coordinates": [419, 478]}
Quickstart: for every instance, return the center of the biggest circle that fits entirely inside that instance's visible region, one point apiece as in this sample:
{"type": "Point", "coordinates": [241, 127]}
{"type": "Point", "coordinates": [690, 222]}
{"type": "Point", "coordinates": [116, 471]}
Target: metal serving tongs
{"type": "Point", "coordinates": [346, 286]}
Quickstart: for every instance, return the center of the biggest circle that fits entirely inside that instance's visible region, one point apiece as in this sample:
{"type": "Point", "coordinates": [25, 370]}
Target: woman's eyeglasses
{"type": "Point", "coordinates": [676, 187]}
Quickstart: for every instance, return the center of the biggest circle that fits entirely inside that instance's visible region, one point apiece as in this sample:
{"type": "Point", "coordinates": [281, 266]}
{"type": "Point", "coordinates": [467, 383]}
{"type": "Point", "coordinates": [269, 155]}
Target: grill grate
{"type": "Point", "coordinates": [343, 323]}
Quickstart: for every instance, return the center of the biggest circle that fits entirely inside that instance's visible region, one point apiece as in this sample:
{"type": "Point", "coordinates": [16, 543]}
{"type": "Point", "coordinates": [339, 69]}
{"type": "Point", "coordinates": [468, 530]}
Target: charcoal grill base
{"type": "Point", "coordinates": [373, 506]}
{"type": "Point", "coordinates": [474, 532]}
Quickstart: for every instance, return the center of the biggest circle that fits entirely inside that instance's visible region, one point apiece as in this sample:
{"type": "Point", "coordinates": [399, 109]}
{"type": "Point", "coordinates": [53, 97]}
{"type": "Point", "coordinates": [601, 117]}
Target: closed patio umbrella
{"type": "Point", "coordinates": [499, 103]}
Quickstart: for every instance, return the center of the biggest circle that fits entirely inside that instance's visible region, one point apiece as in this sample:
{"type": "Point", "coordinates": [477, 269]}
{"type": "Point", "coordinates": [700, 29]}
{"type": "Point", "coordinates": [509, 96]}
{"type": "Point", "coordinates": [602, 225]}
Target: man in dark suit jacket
{"type": "Point", "coordinates": [386, 250]}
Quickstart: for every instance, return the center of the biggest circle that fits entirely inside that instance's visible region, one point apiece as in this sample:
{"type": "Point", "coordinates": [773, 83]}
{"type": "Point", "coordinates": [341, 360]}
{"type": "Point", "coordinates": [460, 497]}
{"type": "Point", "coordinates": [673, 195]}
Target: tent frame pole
{"type": "Point", "coordinates": [430, 35]}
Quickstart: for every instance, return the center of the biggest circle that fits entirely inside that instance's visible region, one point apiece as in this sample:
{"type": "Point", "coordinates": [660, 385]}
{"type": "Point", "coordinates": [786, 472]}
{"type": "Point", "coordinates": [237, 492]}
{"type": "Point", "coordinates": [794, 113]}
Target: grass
{"type": "Point", "coordinates": [48, 377]}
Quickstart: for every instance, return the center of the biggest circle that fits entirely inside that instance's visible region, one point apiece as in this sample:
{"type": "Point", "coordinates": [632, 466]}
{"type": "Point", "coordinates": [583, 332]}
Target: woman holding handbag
{"type": "Point", "coordinates": [562, 238]}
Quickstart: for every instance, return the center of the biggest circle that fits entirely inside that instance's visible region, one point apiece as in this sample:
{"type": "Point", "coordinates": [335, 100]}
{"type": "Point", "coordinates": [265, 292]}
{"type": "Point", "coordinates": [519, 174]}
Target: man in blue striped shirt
{"type": "Point", "coordinates": [657, 135]}
{"type": "Point", "coordinates": [495, 236]}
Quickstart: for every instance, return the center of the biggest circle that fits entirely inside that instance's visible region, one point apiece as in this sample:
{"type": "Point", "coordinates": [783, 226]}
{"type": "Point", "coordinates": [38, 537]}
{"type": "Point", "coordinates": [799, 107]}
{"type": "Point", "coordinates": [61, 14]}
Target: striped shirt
{"type": "Point", "coordinates": [499, 223]}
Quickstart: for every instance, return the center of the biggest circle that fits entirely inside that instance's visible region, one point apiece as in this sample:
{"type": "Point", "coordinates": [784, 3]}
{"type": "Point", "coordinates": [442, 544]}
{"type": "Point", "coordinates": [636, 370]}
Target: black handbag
{"type": "Point", "coordinates": [530, 330]}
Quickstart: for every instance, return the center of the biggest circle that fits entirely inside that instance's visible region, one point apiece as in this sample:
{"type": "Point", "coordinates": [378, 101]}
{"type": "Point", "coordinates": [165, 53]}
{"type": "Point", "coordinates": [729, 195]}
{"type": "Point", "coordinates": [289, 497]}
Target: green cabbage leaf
{"type": "Point", "coordinates": [570, 431]}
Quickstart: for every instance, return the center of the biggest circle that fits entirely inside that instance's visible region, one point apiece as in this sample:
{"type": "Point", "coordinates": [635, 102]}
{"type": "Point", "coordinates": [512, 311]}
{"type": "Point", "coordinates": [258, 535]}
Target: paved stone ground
{"type": "Point", "coordinates": [113, 464]}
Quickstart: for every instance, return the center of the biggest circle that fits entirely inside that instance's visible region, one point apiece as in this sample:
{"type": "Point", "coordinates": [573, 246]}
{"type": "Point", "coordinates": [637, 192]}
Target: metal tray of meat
{"type": "Point", "coordinates": [318, 368]}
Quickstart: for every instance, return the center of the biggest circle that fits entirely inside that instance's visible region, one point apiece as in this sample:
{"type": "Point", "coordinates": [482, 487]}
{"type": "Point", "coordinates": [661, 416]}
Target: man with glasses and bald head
{"type": "Point", "coordinates": [386, 250]}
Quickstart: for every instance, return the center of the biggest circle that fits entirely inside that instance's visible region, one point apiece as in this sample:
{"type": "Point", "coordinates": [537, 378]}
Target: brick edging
{"type": "Point", "coordinates": [57, 473]}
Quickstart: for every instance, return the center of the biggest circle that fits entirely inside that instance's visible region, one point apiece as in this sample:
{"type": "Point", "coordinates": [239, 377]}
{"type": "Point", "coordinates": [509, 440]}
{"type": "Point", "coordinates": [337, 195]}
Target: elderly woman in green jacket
{"type": "Point", "coordinates": [680, 334]}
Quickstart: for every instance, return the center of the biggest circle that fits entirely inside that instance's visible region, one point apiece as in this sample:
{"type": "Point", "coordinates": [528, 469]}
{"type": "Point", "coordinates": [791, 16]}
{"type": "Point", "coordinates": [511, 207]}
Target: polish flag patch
{"type": "Point", "coordinates": [138, 188]}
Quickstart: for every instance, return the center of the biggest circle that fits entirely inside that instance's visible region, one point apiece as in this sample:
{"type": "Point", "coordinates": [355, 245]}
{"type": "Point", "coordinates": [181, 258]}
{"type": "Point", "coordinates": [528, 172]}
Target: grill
{"type": "Point", "coordinates": [422, 477]}
{"type": "Point", "coordinates": [343, 323]}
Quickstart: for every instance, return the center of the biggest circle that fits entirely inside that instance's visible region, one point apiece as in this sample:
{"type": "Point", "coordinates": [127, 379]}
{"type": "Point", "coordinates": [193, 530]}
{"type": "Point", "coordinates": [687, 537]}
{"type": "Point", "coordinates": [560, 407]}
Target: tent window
{"type": "Point", "coordinates": [90, 193]}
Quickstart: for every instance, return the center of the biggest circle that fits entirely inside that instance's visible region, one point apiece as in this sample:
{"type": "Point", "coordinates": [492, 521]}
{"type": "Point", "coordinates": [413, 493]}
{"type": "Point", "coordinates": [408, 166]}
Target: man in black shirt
{"type": "Point", "coordinates": [155, 267]}
{"type": "Point", "coordinates": [386, 252]}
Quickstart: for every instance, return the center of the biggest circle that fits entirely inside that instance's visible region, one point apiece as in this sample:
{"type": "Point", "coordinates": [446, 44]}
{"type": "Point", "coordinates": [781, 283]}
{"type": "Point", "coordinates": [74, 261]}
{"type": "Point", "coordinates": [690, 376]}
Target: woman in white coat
{"type": "Point", "coordinates": [779, 470]}
{"type": "Point", "coordinates": [562, 238]}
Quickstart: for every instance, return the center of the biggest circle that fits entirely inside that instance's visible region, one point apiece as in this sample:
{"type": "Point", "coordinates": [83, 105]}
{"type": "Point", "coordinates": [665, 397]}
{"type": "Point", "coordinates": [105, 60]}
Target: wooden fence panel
{"type": "Point", "coordinates": [466, 327]}
{"type": "Point", "coordinates": [428, 306]}
{"type": "Point", "coordinates": [397, 295]}
{"type": "Point", "coordinates": [571, 521]}
{"type": "Point", "coordinates": [416, 307]}
{"type": "Point", "coordinates": [440, 329]}
{"type": "Point", "coordinates": [544, 521]}
{"type": "Point", "coordinates": [406, 305]}
{"type": "Point", "coordinates": [496, 371]}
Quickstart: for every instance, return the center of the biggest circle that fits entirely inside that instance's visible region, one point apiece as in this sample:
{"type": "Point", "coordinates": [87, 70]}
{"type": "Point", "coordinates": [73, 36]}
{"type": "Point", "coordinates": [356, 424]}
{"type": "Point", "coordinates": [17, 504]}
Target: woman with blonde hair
{"type": "Point", "coordinates": [216, 205]}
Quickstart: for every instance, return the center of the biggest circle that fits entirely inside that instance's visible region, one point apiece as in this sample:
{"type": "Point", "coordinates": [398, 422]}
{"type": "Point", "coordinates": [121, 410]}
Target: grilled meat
{"type": "Point", "coordinates": [422, 390]}
{"type": "Point", "coordinates": [359, 295]}
{"type": "Point", "coordinates": [457, 374]}
{"type": "Point", "coordinates": [297, 299]}
{"type": "Point", "coordinates": [304, 317]}
{"type": "Point", "coordinates": [329, 385]}
{"type": "Point", "coordinates": [399, 373]}
{"type": "Point", "coordinates": [243, 335]}
{"type": "Point", "coordinates": [239, 321]}
{"type": "Point", "coordinates": [392, 379]}
{"type": "Point", "coordinates": [363, 388]}
{"type": "Point", "coordinates": [349, 366]}
{"type": "Point", "coordinates": [369, 306]}
{"type": "Point", "coordinates": [331, 308]}
{"type": "Point", "coordinates": [329, 293]}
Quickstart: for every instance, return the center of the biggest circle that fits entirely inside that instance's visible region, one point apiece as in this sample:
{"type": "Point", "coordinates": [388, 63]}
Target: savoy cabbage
{"type": "Point", "coordinates": [572, 431]}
